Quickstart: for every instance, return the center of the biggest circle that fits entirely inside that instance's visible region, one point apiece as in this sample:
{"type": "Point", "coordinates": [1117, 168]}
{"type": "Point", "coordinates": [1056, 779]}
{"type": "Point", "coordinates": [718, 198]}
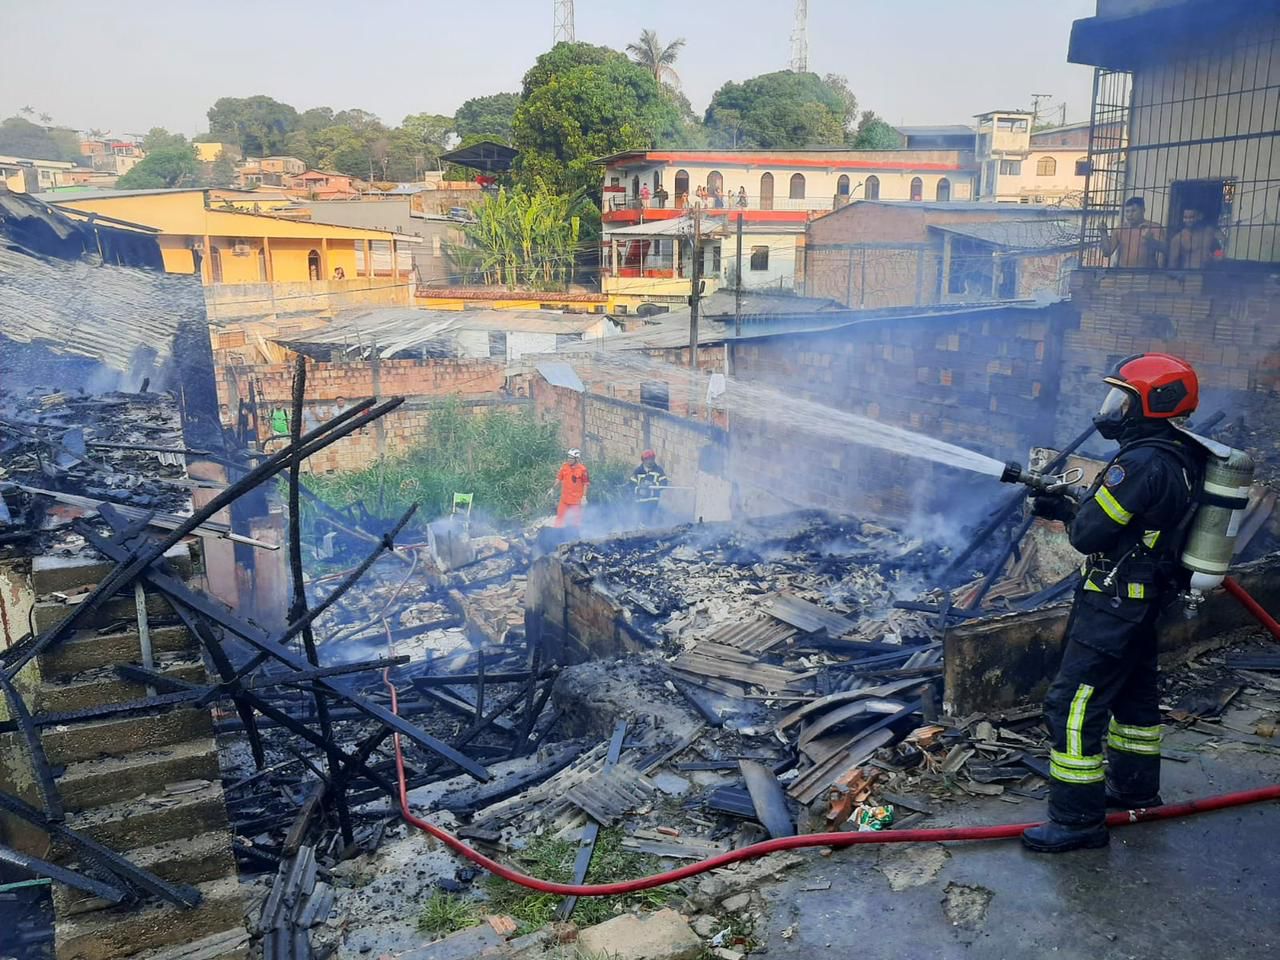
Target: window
{"type": "Point", "coordinates": [842, 186]}
{"type": "Point", "coordinates": [760, 258]}
{"type": "Point", "coordinates": [715, 182]}
{"type": "Point", "coordinates": [215, 264]}
{"type": "Point", "coordinates": [682, 185]}
{"type": "Point", "coordinates": [313, 265]}
{"type": "Point", "coordinates": [766, 191]}
{"type": "Point", "coordinates": [917, 188]}
{"type": "Point", "coordinates": [1082, 167]}
{"type": "Point", "coordinates": [1011, 125]}
{"type": "Point", "coordinates": [1011, 168]}
{"type": "Point", "coordinates": [657, 181]}
{"type": "Point", "coordinates": [1046, 167]}
{"type": "Point", "coordinates": [635, 186]}
{"type": "Point", "coordinates": [498, 344]}
{"type": "Point", "coordinates": [871, 188]}
{"type": "Point", "coordinates": [943, 193]}
{"type": "Point", "coordinates": [797, 186]}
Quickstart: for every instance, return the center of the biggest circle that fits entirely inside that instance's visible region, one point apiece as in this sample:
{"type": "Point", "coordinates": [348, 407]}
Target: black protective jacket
{"type": "Point", "coordinates": [1132, 522]}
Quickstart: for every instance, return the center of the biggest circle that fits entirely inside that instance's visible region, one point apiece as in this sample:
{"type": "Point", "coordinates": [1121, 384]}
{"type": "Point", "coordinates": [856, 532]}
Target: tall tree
{"type": "Point", "coordinates": [431, 130]}
{"type": "Point", "coordinates": [259, 125]}
{"type": "Point", "coordinates": [873, 133]}
{"type": "Point", "coordinates": [20, 137]}
{"type": "Point", "coordinates": [779, 110]}
{"type": "Point", "coordinates": [659, 59]}
{"type": "Point", "coordinates": [167, 166]}
{"type": "Point", "coordinates": [487, 118]}
{"type": "Point", "coordinates": [158, 138]}
{"type": "Point", "coordinates": [583, 103]}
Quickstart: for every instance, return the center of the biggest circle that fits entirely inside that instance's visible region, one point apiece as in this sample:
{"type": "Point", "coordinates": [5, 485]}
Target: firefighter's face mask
{"type": "Point", "coordinates": [1111, 416]}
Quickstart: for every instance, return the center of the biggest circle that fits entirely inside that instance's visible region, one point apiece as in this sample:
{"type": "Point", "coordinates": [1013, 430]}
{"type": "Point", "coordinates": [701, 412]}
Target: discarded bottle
{"type": "Point", "coordinates": [868, 817]}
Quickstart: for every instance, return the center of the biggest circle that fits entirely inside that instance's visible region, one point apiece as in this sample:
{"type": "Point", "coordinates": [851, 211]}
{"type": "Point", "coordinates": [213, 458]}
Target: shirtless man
{"type": "Point", "coordinates": [1196, 244]}
{"type": "Point", "coordinates": [1140, 242]}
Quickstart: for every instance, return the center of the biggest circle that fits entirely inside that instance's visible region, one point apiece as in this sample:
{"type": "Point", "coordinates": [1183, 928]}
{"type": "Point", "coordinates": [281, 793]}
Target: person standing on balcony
{"type": "Point", "coordinates": [644, 196]}
{"type": "Point", "coordinates": [1140, 242]}
{"type": "Point", "coordinates": [742, 197]}
{"type": "Point", "coordinates": [1195, 244]}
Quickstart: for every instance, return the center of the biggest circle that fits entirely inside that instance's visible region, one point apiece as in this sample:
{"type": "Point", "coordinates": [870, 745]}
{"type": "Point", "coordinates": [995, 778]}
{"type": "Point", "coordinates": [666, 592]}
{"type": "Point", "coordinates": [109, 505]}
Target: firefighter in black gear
{"type": "Point", "coordinates": [1130, 525]}
{"type": "Point", "coordinates": [649, 479]}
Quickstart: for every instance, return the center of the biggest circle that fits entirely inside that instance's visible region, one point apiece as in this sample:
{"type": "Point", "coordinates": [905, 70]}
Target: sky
{"type": "Point", "coordinates": [128, 67]}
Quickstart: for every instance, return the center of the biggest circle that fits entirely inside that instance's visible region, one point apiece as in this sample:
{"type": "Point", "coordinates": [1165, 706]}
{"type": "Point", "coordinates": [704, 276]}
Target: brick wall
{"type": "Point", "coordinates": [986, 380]}
{"type": "Point", "coordinates": [333, 386]}
{"type": "Point", "coordinates": [1225, 322]}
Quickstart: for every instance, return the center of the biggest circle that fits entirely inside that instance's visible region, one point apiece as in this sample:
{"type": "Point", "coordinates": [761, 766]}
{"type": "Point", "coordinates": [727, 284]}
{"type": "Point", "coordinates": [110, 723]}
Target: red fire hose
{"type": "Point", "coordinates": [1252, 605]}
{"type": "Point", "coordinates": [1000, 832]}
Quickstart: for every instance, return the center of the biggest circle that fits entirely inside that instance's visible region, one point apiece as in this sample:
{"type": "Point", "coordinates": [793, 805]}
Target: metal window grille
{"type": "Point", "coordinates": [1196, 131]}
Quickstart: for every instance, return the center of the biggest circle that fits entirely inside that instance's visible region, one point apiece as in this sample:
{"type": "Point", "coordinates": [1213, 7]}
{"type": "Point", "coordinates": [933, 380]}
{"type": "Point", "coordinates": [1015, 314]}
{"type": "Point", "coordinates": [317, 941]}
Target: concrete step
{"type": "Point", "coordinates": [49, 613]}
{"type": "Point", "coordinates": [127, 931]}
{"type": "Point", "coordinates": [50, 573]}
{"type": "Point", "coordinates": [119, 738]}
{"type": "Point", "coordinates": [230, 944]}
{"type": "Point", "coordinates": [204, 857]}
{"type": "Point", "coordinates": [86, 649]}
{"type": "Point", "coordinates": [103, 685]}
{"type": "Point", "coordinates": [95, 783]}
{"type": "Point", "coordinates": [154, 818]}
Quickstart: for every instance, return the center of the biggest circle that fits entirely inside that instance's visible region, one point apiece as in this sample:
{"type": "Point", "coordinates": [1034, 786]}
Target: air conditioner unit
{"type": "Point", "coordinates": [241, 249]}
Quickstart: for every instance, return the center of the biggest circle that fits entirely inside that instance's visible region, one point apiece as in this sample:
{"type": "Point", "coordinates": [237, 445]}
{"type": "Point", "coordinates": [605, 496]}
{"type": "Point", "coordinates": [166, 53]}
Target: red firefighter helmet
{"type": "Point", "coordinates": [648, 455]}
{"type": "Point", "coordinates": [1165, 386]}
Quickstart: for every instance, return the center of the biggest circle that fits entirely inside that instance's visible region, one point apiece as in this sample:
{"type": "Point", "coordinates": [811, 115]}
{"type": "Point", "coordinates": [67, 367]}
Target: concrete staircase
{"type": "Point", "coordinates": [147, 787]}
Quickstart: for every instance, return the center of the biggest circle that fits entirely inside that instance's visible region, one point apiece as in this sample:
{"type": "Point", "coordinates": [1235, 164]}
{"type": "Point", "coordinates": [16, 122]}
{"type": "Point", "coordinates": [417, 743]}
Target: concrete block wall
{"type": "Point", "coordinates": [1224, 321]}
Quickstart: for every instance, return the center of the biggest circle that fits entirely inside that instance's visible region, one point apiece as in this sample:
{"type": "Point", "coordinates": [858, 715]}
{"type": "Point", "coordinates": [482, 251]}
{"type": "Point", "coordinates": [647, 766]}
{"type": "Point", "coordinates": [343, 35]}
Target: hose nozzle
{"type": "Point", "coordinates": [1038, 482]}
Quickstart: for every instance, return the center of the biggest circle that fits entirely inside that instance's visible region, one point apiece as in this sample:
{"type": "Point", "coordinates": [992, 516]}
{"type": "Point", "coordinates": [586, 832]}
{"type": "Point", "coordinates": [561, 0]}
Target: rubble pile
{"type": "Point", "coordinates": [61, 453]}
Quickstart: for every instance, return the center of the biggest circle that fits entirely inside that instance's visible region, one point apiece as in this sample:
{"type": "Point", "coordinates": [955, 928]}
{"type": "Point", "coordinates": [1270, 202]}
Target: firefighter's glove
{"type": "Point", "coordinates": [1054, 507]}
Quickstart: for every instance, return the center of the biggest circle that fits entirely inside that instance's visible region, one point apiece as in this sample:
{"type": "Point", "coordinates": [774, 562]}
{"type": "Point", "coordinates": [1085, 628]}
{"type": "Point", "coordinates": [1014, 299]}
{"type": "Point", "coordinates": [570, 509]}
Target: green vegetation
{"type": "Point", "coordinates": [506, 458]}
{"type": "Point", "coordinates": [19, 137]}
{"type": "Point", "coordinates": [551, 859]}
{"type": "Point", "coordinates": [487, 118]}
{"type": "Point", "coordinates": [583, 102]}
{"type": "Point", "coordinates": [523, 239]}
{"type": "Point", "coordinates": [170, 165]}
{"type": "Point", "coordinates": [656, 57]}
{"type": "Point", "coordinates": [786, 110]}
{"type": "Point", "coordinates": [445, 913]}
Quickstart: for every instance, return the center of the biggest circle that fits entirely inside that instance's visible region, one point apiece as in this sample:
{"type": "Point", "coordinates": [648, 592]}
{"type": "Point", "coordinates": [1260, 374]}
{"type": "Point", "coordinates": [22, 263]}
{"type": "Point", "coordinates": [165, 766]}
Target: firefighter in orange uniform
{"type": "Point", "coordinates": [574, 482]}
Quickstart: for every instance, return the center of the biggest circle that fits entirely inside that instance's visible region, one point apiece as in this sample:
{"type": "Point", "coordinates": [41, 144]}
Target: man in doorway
{"type": "Point", "coordinates": [1196, 244]}
{"type": "Point", "coordinates": [649, 479]}
{"type": "Point", "coordinates": [574, 482]}
{"type": "Point", "coordinates": [1140, 242]}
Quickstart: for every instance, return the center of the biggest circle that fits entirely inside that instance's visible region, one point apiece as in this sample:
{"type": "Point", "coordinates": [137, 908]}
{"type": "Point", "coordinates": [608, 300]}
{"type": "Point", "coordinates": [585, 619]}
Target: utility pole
{"type": "Point", "coordinates": [1035, 107]}
{"type": "Point", "coordinates": [695, 292]}
{"type": "Point", "coordinates": [800, 38]}
{"type": "Point", "coordinates": [737, 293]}
{"type": "Point", "coordinates": [564, 29]}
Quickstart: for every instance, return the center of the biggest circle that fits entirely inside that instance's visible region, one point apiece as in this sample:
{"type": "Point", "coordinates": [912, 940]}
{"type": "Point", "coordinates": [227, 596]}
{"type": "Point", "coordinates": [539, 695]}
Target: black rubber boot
{"type": "Point", "coordinates": [1051, 837]}
{"type": "Point", "coordinates": [1120, 801]}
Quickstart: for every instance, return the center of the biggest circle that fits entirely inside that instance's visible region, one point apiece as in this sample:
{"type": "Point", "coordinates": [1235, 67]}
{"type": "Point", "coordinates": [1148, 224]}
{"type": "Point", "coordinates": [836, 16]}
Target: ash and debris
{"type": "Point", "coordinates": [90, 446]}
{"type": "Point", "coordinates": [674, 586]}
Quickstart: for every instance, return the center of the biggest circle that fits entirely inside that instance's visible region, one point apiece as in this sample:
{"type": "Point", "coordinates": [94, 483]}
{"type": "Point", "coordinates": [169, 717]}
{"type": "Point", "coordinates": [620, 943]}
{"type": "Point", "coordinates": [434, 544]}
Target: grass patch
{"type": "Point", "coordinates": [551, 859]}
{"type": "Point", "coordinates": [445, 913]}
{"type": "Point", "coordinates": [506, 458]}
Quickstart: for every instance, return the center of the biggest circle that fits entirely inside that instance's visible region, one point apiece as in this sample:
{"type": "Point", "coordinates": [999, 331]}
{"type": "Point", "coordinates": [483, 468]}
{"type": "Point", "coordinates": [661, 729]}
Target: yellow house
{"type": "Point", "coordinates": [226, 245]}
{"type": "Point", "coordinates": [210, 152]}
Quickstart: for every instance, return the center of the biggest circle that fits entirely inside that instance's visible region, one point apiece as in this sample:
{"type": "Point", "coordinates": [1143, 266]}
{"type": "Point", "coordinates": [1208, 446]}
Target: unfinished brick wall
{"type": "Point", "coordinates": [986, 380]}
{"type": "Point", "coordinates": [333, 386]}
{"type": "Point", "coordinates": [1224, 321]}
{"type": "Point", "coordinates": [609, 428]}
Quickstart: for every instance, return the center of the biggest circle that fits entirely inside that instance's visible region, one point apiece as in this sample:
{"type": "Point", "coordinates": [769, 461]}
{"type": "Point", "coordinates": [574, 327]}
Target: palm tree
{"type": "Point", "coordinates": [27, 111]}
{"type": "Point", "coordinates": [657, 59]}
{"type": "Point", "coordinates": [45, 118]}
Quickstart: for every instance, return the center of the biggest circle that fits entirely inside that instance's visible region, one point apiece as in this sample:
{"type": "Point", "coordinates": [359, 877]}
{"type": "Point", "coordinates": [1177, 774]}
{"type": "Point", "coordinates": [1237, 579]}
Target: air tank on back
{"type": "Point", "coordinates": [1211, 540]}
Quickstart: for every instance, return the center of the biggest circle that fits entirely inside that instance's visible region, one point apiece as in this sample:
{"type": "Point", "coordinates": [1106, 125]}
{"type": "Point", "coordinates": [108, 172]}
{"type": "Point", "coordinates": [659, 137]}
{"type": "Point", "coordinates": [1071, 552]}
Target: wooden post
{"type": "Point", "coordinates": [695, 294]}
{"type": "Point", "coordinates": [266, 255]}
{"type": "Point", "coordinates": [324, 258]}
{"type": "Point", "coordinates": [368, 259]}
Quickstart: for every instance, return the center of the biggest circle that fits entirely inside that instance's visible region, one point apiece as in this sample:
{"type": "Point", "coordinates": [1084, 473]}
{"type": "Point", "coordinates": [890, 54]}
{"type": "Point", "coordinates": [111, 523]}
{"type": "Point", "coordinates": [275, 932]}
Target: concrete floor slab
{"type": "Point", "coordinates": [1198, 887]}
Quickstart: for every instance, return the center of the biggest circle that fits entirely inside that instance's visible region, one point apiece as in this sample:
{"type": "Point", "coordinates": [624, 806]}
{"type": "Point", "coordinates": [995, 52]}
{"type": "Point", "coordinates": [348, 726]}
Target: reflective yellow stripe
{"type": "Point", "coordinates": [1135, 733]}
{"type": "Point", "coordinates": [1071, 769]}
{"type": "Point", "coordinates": [1075, 720]}
{"type": "Point", "coordinates": [1150, 537]}
{"type": "Point", "coordinates": [1137, 591]}
{"type": "Point", "coordinates": [1111, 506]}
{"type": "Point", "coordinates": [1090, 585]}
{"type": "Point", "coordinates": [1142, 747]}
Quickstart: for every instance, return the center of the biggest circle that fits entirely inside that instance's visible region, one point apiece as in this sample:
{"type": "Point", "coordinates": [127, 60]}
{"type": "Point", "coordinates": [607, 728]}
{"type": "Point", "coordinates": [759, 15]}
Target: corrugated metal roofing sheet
{"type": "Point", "coordinates": [110, 314]}
{"type": "Point", "coordinates": [561, 375]}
